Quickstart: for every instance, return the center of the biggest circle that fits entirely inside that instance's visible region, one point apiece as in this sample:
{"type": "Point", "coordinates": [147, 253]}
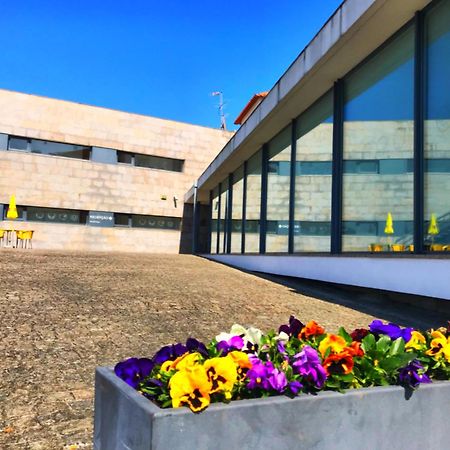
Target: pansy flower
{"type": "Point", "coordinates": [390, 329]}
{"type": "Point", "coordinates": [358, 334]}
{"type": "Point", "coordinates": [307, 364]}
{"type": "Point", "coordinates": [413, 374]}
{"type": "Point", "coordinates": [259, 373]}
{"type": "Point", "coordinates": [190, 388]}
{"type": "Point", "coordinates": [169, 352]}
{"type": "Point", "coordinates": [134, 370]}
{"type": "Point", "coordinates": [233, 343]}
{"type": "Point", "coordinates": [277, 381]}
{"type": "Point", "coordinates": [338, 363]}
{"type": "Point", "coordinates": [183, 362]}
{"type": "Point", "coordinates": [333, 342]}
{"type": "Point", "coordinates": [222, 373]}
{"type": "Point", "coordinates": [312, 328]}
{"type": "Point", "coordinates": [439, 346]}
{"type": "Point", "coordinates": [417, 341]}
{"type": "Point", "coordinates": [293, 328]}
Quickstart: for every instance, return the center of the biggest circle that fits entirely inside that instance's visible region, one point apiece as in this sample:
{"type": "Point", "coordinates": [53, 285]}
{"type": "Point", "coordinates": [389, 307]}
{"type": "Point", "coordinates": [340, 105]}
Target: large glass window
{"type": "Point", "coordinates": [215, 220]}
{"type": "Point", "coordinates": [314, 152]}
{"type": "Point", "coordinates": [236, 210]}
{"type": "Point", "coordinates": [378, 127]}
{"type": "Point", "coordinates": [223, 216]}
{"type": "Point", "coordinates": [278, 176]}
{"type": "Point", "coordinates": [437, 129]}
{"type": "Point", "coordinates": [253, 204]}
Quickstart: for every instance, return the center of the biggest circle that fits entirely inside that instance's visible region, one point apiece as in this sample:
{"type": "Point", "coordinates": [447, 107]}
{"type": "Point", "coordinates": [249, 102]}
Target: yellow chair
{"type": "Point", "coordinates": [397, 247]}
{"type": "Point", "coordinates": [24, 238]}
{"type": "Point", "coordinates": [2, 237]}
{"type": "Point", "coordinates": [436, 247]}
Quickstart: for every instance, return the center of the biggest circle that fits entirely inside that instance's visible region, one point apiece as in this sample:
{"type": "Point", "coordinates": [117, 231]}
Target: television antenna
{"type": "Point", "coordinates": [223, 123]}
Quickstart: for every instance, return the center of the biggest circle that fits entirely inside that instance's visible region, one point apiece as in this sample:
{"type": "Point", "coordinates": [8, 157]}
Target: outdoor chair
{"type": "Point", "coordinates": [2, 237]}
{"type": "Point", "coordinates": [24, 238]}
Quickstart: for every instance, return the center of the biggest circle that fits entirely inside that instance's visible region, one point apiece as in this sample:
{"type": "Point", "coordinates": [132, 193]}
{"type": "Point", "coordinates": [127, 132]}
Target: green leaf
{"type": "Point", "coordinates": [383, 343]}
{"type": "Point", "coordinates": [343, 333]}
{"type": "Point", "coordinates": [397, 347]}
{"type": "Point", "coordinates": [368, 343]}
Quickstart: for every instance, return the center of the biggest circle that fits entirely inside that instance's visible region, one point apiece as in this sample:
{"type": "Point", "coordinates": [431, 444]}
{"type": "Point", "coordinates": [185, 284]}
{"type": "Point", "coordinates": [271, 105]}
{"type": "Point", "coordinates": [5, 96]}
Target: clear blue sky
{"type": "Point", "coordinates": [160, 58]}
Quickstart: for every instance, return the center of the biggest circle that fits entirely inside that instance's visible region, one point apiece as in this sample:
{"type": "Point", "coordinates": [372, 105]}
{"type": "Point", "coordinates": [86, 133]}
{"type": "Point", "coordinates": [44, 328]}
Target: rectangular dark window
{"type": "Point", "coordinates": [16, 143]}
{"type": "Point", "coordinates": [157, 162]}
{"type": "Point", "coordinates": [56, 215]}
{"type": "Point", "coordinates": [124, 157]}
{"type": "Point", "coordinates": [121, 220]}
{"type": "Point", "coordinates": [161, 222]}
{"type": "Point", "coordinates": [20, 212]}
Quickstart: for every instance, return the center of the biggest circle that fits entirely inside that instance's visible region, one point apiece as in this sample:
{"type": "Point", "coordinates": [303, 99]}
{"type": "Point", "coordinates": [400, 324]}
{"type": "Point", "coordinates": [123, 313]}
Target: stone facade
{"type": "Point", "coordinates": [59, 182]}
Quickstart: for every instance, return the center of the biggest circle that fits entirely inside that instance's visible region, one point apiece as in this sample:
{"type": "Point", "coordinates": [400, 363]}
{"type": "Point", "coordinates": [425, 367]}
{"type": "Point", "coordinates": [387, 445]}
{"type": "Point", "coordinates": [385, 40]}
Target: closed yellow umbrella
{"type": "Point", "coordinates": [389, 228]}
{"type": "Point", "coordinates": [433, 228]}
{"type": "Point", "coordinates": [12, 209]}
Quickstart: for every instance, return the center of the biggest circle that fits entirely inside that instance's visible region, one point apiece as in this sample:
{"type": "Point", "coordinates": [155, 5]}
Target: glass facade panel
{"type": "Point", "coordinates": [121, 220]}
{"type": "Point", "coordinates": [278, 178]}
{"type": "Point", "coordinates": [437, 129]}
{"type": "Point", "coordinates": [124, 157]}
{"type": "Point", "coordinates": [253, 204]}
{"type": "Point", "coordinates": [223, 216]}
{"type": "Point", "coordinates": [16, 143]}
{"type": "Point", "coordinates": [215, 220]}
{"type": "Point", "coordinates": [157, 162]}
{"type": "Point", "coordinates": [312, 212]}
{"type": "Point", "coordinates": [236, 210]}
{"type": "Point", "coordinates": [378, 127]}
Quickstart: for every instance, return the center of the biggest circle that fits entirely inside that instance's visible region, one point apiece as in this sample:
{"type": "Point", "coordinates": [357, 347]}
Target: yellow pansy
{"type": "Point", "coordinates": [191, 388]}
{"type": "Point", "coordinates": [334, 342]}
{"type": "Point", "coordinates": [183, 362]}
{"type": "Point", "coordinates": [439, 346]}
{"type": "Point", "coordinates": [240, 358]}
{"type": "Point", "coordinates": [417, 341]}
{"type": "Point", "coordinates": [222, 373]}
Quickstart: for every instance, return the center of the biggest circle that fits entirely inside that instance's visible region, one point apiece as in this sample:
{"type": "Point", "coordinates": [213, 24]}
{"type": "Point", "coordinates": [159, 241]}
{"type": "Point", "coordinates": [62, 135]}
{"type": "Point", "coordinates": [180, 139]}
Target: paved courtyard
{"type": "Point", "coordinates": [63, 314]}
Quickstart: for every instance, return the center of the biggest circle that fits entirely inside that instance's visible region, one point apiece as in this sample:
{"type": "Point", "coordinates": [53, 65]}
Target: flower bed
{"type": "Point", "coordinates": [298, 359]}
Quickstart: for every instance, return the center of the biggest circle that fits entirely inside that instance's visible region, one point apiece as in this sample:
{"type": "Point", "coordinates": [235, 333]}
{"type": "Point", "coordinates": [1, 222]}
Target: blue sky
{"type": "Point", "coordinates": [160, 58]}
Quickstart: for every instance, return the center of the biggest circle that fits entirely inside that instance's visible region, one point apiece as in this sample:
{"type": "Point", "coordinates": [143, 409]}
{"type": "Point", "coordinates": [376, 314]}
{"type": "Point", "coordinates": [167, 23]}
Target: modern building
{"type": "Point", "coordinates": [342, 172]}
{"type": "Point", "coordinates": [88, 178]}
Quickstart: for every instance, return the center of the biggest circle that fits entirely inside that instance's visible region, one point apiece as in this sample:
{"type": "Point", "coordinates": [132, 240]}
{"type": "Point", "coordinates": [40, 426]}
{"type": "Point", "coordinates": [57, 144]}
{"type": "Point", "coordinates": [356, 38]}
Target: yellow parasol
{"type": "Point", "coordinates": [433, 228]}
{"type": "Point", "coordinates": [389, 228]}
{"type": "Point", "coordinates": [12, 209]}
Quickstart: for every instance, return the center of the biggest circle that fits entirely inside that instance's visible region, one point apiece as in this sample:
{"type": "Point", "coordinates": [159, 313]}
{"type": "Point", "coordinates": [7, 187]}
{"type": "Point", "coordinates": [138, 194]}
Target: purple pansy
{"type": "Point", "coordinates": [259, 373]}
{"type": "Point", "coordinates": [413, 374]}
{"type": "Point", "coordinates": [391, 329]}
{"type": "Point", "coordinates": [133, 370]}
{"type": "Point", "coordinates": [277, 380]}
{"type": "Point", "coordinates": [234, 343]}
{"type": "Point", "coordinates": [169, 352]}
{"type": "Point", "coordinates": [307, 364]}
{"type": "Point", "coordinates": [295, 386]}
{"type": "Point", "coordinates": [193, 345]}
{"type": "Point", "coordinates": [293, 329]}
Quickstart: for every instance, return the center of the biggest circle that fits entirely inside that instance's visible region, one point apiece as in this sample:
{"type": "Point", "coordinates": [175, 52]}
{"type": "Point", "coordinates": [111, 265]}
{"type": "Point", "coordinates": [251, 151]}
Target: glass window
{"type": "Point", "coordinates": [253, 205]}
{"type": "Point", "coordinates": [121, 220]}
{"type": "Point", "coordinates": [70, 216]}
{"type": "Point", "coordinates": [223, 216]}
{"type": "Point", "coordinates": [16, 143]}
{"type": "Point", "coordinates": [156, 162]}
{"type": "Point", "coordinates": [215, 220]}
{"type": "Point", "coordinates": [437, 128]}
{"type": "Point", "coordinates": [314, 154]}
{"type": "Point", "coordinates": [279, 154]}
{"type": "Point", "coordinates": [124, 157]}
{"type": "Point", "coordinates": [162, 222]}
{"type": "Point", "coordinates": [378, 127]}
{"type": "Point", "coordinates": [236, 210]}
{"type": "Point", "coordinates": [58, 149]}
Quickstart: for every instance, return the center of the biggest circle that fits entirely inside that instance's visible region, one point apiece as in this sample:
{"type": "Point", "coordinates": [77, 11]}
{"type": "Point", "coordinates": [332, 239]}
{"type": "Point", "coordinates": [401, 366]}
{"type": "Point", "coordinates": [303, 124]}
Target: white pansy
{"type": "Point", "coordinates": [251, 334]}
{"type": "Point", "coordinates": [283, 337]}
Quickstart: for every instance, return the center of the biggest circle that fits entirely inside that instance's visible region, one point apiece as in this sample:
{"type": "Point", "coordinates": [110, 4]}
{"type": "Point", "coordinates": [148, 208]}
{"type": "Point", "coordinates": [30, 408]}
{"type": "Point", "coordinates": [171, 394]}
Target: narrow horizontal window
{"type": "Point", "coordinates": [157, 162]}
{"type": "Point", "coordinates": [165, 223]}
{"type": "Point", "coordinates": [121, 220]}
{"type": "Point", "coordinates": [124, 157]}
{"type": "Point", "coordinates": [56, 215]}
{"type": "Point", "coordinates": [16, 143]}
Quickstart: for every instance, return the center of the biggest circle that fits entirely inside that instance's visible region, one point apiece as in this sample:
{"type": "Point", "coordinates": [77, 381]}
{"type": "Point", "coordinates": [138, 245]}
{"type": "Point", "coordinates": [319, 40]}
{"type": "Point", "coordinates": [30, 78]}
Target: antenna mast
{"type": "Point", "coordinates": [223, 123]}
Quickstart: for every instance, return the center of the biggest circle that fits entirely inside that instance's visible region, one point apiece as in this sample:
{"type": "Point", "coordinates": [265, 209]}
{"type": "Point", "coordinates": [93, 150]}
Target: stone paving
{"type": "Point", "coordinates": [63, 314]}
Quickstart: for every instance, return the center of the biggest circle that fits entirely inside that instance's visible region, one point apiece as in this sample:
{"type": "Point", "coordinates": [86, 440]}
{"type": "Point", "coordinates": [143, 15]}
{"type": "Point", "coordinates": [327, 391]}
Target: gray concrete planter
{"type": "Point", "coordinates": [375, 418]}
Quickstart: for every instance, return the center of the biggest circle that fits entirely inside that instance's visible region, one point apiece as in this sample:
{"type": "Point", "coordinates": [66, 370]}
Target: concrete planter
{"type": "Point", "coordinates": [375, 418]}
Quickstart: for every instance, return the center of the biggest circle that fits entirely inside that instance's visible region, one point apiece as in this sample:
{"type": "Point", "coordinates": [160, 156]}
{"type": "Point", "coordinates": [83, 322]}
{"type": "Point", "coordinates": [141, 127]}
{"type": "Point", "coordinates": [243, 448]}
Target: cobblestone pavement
{"type": "Point", "coordinates": [61, 315]}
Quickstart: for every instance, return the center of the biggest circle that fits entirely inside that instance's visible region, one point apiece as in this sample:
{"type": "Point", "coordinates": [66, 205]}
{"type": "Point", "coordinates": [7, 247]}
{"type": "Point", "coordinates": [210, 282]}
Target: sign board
{"type": "Point", "coordinates": [101, 219]}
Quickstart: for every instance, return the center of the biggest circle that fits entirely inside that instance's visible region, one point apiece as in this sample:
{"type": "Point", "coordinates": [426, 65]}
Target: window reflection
{"type": "Point", "coordinates": [253, 204]}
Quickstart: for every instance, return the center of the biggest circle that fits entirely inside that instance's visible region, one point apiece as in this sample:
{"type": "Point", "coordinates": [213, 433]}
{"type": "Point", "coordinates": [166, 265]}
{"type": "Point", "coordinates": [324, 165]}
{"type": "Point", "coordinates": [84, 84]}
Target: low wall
{"type": "Point", "coordinates": [414, 275]}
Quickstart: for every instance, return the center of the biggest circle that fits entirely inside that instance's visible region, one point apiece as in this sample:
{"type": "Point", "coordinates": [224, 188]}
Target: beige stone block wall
{"type": "Point", "coordinates": [53, 236]}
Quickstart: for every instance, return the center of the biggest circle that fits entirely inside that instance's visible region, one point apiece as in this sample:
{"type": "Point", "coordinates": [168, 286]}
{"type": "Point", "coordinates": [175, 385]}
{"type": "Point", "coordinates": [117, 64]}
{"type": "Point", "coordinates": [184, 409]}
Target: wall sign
{"type": "Point", "coordinates": [101, 219]}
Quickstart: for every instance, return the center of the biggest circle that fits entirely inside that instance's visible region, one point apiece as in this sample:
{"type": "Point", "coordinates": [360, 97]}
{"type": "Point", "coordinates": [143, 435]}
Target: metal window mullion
{"type": "Point", "coordinates": [419, 104]}
{"type": "Point", "coordinates": [292, 185]}
{"type": "Point", "coordinates": [230, 212]}
{"type": "Point", "coordinates": [263, 209]}
{"type": "Point", "coordinates": [210, 221]}
{"type": "Point", "coordinates": [336, 189]}
{"type": "Point", "coordinates": [244, 207]}
{"type": "Point", "coordinates": [219, 206]}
